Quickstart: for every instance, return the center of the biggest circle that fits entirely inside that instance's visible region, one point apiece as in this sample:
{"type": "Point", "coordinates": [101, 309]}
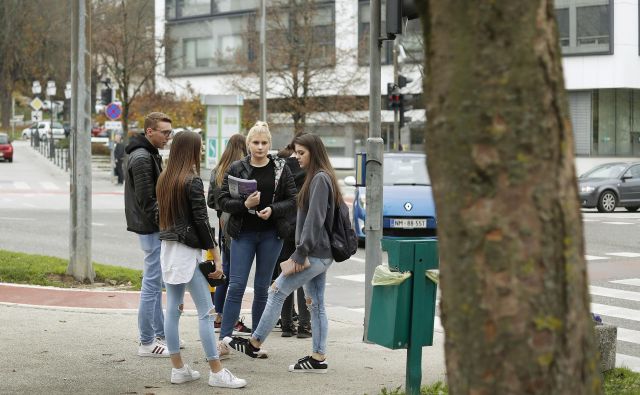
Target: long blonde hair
{"type": "Point", "coordinates": [236, 149]}
{"type": "Point", "coordinates": [184, 163]}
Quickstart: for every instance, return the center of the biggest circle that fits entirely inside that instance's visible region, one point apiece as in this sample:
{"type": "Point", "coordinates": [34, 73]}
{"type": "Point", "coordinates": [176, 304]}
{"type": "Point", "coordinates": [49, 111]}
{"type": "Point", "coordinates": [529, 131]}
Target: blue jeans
{"type": "Point", "coordinates": [221, 290]}
{"type": "Point", "coordinates": [314, 280]}
{"type": "Point", "coordinates": [199, 289]}
{"type": "Point", "coordinates": [150, 316]}
{"type": "Point", "coordinates": [265, 247]}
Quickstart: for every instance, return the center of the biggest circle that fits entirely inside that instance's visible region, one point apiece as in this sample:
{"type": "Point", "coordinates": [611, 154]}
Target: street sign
{"type": "Point", "coordinates": [36, 104]}
{"type": "Point", "coordinates": [115, 125]}
{"type": "Point", "coordinates": [36, 116]}
{"type": "Point", "coordinates": [113, 111]}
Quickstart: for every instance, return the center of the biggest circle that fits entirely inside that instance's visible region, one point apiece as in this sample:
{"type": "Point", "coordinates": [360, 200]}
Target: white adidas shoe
{"type": "Point", "coordinates": [186, 374]}
{"type": "Point", "coordinates": [155, 349]}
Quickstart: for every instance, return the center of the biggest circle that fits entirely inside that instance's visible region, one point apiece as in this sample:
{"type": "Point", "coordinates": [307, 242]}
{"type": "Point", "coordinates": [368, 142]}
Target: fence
{"type": "Point", "coordinates": [59, 156]}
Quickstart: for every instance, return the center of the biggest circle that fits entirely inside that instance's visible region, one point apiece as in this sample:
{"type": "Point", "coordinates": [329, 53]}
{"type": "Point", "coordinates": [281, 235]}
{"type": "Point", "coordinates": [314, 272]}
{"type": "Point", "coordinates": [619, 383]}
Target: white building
{"type": "Point", "coordinates": [599, 40]}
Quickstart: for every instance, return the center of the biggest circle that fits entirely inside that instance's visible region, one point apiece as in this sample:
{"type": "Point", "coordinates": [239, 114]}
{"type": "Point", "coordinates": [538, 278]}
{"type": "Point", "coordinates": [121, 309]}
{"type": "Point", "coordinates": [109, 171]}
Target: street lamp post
{"type": "Point", "coordinates": [67, 101]}
{"type": "Point", "coordinates": [35, 140]}
{"type": "Point", "coordinates": [51, 91]}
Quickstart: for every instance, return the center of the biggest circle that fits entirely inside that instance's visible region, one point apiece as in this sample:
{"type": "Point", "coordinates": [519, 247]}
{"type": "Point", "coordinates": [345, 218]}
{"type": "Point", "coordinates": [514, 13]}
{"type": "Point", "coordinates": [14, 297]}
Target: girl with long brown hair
{"type": "Point", "coordinates": [309, 262]}
{"type": "Point", "coordinates": [184, 233]}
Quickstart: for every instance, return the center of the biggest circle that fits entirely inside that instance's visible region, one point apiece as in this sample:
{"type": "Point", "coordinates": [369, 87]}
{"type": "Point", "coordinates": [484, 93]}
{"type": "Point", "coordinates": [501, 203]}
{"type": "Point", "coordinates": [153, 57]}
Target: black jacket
{"type": "Point", "coordinates": [289, 245]}
{"type": "Point", "coordinates": [214, 192]}
{"type": "Point", "coordinates": [143, 169]}
{"type": "Point", "coordinates": [193, 227]}
{"type": "Point", "coordinates": [284, 196]}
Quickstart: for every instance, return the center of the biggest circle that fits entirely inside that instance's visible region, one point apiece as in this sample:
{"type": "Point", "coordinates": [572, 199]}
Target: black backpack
{"type": "Point", "coordinates": [342, 237]}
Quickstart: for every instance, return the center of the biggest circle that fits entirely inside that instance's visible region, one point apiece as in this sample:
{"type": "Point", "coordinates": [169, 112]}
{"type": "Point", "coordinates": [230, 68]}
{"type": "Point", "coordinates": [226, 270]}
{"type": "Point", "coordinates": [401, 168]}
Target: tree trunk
{"type": "Point", "coordinates": [5, 107]}
{"type": "Point", "coordinates": [515, 305]}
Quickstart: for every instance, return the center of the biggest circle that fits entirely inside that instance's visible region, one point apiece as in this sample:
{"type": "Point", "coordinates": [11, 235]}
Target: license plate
{"type": "Point", "coordinates": [409, 223]}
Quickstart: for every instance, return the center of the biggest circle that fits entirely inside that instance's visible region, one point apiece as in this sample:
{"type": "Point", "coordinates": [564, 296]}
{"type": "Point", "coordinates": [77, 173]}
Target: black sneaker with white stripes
{"type": "Point", "coordinates": [309, 365]}
{"type": "Point", "coordinates": [243, 345]}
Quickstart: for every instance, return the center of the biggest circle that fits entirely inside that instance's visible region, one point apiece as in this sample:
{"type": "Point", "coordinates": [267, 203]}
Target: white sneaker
{"type": "Point", "coordinates": [155, 349]}
{"type": "Point", "coordinates": [224, 351]}
{"type": "Point", "coordinates": [225, 379]}
{"type": "Point", "coordinates": [163, 341]}
{"type": "Point", "coordinates": [179, 376]}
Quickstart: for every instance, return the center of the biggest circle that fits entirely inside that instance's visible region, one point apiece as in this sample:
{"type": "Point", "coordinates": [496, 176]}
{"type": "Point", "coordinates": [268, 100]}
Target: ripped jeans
{"type": "Point", "coordinates": [199, 289]}
{"type": "Point", "coordinates": [314, 280]}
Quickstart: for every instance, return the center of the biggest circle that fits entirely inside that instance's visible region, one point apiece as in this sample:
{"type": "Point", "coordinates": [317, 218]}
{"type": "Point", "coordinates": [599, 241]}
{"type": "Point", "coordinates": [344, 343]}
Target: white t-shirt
{"type": "Point", "coordinates": [178, 261]}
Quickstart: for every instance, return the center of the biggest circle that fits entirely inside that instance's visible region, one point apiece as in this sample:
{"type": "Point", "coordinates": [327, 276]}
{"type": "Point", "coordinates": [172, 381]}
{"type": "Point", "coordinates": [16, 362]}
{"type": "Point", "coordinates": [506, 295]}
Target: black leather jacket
{"type": "Point", "coordinates": [284, 197]}
{"type": "Point", "coordinates": [193, 227]}
{"type": "Point", "coordinates": [143, 169]}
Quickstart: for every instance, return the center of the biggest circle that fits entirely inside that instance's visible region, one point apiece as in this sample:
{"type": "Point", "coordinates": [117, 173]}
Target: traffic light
{"type": "Point", "coordinates": [404, 104]}
{"type": "Point", "coordinates": [106, 96]}
{"type": "Point", "coordinates": [393, 96]}
{"type": "Point", "coordinates": [396, 11]}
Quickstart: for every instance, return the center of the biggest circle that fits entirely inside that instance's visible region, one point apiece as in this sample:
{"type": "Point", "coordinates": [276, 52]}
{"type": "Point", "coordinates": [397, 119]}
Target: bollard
{"type": "Point", "coordinates": [402, 316]}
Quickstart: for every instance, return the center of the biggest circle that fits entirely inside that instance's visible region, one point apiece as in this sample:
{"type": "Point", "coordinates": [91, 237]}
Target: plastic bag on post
{"type": "Point", "coordinates": [384, 276]}
{"type": "Point", "coordinates": [433, 275]}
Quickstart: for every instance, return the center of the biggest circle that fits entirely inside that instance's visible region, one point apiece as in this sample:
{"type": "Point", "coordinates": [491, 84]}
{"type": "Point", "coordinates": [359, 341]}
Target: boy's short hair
{"type": "Point", "coordinates": [151, 120]}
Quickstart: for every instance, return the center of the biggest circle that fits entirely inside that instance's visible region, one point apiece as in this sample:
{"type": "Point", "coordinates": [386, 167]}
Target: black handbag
{"type": "Point", "coordinates": [208, 267]}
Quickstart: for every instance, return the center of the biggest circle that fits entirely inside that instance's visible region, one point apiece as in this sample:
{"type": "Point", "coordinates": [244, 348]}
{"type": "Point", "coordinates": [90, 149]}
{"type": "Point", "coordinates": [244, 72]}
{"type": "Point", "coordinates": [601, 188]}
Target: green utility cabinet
{"type": "Point", "coordinates": [405, 313]}
{"type": "Point", "coordinates": [402, 316]}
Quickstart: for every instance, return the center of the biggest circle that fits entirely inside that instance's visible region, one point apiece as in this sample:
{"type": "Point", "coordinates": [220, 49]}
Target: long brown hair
{"type": "Point", "coordinates": [236, 149]}
{"type": "Point", "coordinates": [184, 163]}
{"type": "Point", "coordinates": [318, 161]}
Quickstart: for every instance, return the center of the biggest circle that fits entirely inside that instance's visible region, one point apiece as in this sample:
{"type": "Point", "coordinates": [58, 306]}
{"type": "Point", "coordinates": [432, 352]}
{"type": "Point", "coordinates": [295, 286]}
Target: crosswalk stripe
{"type": "Point", "coordinates": [628, 335]}
{"type": "Point", "coordinates": [359, 278]}
{"type": "Point", "coordinates": [353, 258]}
{"type": "Point", "coordinates": [49, 185]}
{"type": "Point", "coordinates": [627, 281]}
{"type": "Point", "coordinates": [594, 258]}
{"type": "Point", "coordinates": [618, 223]}
{"type": "Point", "coordinates": [21, 185]}
{"type": "Point", "coordinates": [615, 312]}
{"type": "Point", "coordinates": [614, 293]}
{"type": "Point", "coordinates": [624, 254]}
{"type": "Point", "coordinates": [628, 361]}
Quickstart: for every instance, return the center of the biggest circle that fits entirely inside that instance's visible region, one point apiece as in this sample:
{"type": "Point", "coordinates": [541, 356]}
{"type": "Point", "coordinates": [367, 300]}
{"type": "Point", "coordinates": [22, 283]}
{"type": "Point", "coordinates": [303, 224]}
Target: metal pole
{"type": "Point", "coordinates": [373, 252]}
{"type": "Point", "coordinates": [263, 61]}
{"type": "Point", "coordinates": [396, 111]}
{"type": "Point", "coordinates": [80, 265]}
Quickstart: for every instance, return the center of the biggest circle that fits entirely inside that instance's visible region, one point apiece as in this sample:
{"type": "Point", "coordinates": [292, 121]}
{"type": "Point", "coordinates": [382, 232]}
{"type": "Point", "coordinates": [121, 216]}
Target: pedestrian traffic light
{"type": "Point", "coordinates": [106, 96]}
{"type": "Point", "coordinates": [404, 104]}
{"type": "Point", "coordinates": [396, 11]}
{"type": "Point", "coordinates": [393, 96]}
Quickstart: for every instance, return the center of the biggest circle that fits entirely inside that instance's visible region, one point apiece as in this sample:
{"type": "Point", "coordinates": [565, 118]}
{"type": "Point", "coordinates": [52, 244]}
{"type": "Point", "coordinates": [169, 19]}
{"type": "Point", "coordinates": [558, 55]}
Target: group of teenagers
{"type": "Point", "coordinates": [282, 226]}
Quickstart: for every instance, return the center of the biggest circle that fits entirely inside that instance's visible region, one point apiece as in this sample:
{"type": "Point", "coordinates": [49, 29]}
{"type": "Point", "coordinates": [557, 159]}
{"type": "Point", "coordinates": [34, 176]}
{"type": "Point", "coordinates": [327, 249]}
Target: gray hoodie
{"type": "Point", "coordinates": [312, 238]}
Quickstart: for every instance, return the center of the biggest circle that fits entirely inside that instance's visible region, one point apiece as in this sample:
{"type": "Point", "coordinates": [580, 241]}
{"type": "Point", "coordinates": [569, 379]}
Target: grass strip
{"type": "Point", "coordinates": [618, 381]}
{"type": "Point", "coordinates": [21, 268]}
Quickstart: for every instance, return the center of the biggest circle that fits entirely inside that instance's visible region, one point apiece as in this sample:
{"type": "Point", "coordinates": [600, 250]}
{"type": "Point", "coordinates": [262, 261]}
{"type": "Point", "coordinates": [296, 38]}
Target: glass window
{"type": "Point", "coordinates": [585, 26]}
{"type": "Point", "coordinates": [562, 17]}
{"type": "Point", "coordinates": [187, 8]}
{"type": "Point", "coordinates": [592, 25]}
{"type": "Point", "coordinates": [176, 9]}
{"type": "Point", "coordinates": [405, 170]}
{"type": "Point", "coordinates": [616, 122]}
{"type": "Point", "coordinates": [216, 45]}
{"type": "Point", "coordinates": [4, 139]}
{"type": "Point", "coordinates": [386, 55]}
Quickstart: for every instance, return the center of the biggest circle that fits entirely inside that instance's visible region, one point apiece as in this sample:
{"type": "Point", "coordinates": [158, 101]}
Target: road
{"type": "Point", "coordinates": [34, 218]}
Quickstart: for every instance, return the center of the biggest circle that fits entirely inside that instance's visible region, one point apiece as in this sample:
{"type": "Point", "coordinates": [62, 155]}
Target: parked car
{"type": "Point", "coordinates": [99, 131]}
{"type": "Point", "coordinates": [44, 130]}
{"type": "Point", "coordinates": [6, 149]}
{"type": "Point", "coordinates": [611, 185]}
{"type": "Point", "coordinates": [408, 209]}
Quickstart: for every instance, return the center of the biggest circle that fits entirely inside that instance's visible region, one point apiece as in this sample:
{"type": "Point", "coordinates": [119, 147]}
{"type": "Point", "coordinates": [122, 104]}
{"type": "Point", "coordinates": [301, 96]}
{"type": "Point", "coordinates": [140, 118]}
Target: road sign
{"type": "Point", "coordinates": [36, 116]}
{"type": "Point", "coordinates": [113, 111]}
{"type": "Point", "coordinates": [115, 125]}
{"type": "Point", "coordinates": [36, 104]}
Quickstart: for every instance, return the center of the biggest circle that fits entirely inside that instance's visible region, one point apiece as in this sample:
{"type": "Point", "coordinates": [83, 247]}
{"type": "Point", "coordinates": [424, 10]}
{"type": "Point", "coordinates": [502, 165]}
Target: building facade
{"type": "Point", "coordinates": [212, 46]}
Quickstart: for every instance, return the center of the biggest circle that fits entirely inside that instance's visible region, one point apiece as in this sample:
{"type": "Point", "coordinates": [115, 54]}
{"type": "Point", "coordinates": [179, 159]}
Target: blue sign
{"type": "Point", "coordinates": [113, 111]}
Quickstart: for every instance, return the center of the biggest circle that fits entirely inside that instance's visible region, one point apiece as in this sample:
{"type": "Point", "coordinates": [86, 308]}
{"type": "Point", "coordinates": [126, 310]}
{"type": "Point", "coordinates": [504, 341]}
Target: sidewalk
{"type": "Point", "coordinates": [83, 341]}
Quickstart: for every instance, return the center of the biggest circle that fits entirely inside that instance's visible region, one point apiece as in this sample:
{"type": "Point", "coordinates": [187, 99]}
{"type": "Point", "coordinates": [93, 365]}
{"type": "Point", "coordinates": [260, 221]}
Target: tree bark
{"type": "Point", "coordinates": [515, 305]}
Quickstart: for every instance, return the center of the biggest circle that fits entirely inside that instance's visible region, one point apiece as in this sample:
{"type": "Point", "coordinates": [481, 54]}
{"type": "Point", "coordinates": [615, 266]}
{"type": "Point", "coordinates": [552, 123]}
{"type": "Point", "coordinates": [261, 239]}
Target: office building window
{"type": "Point", "coordinates": [585, 26]}
{"type": "Point", "coordinates": [616, 122]}
{"type": "Point", "coordinates": [177, 9]}
{"type": "Point", "coordinates": [215, 45]}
